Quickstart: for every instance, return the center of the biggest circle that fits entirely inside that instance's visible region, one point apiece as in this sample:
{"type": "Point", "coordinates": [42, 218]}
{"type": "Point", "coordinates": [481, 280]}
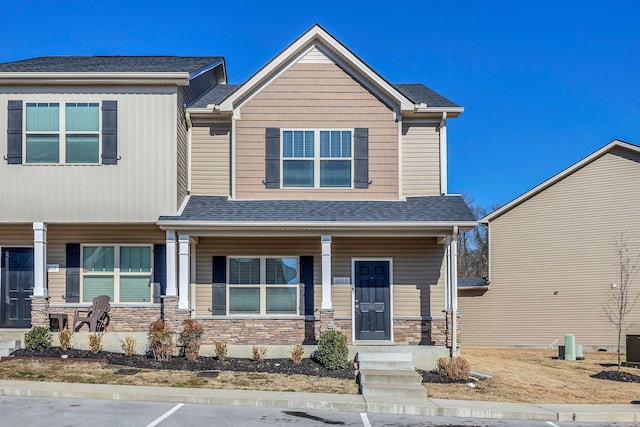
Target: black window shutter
{"type": "Point", "coordinates": [361, 158]}
{"type": "Point", "coordinates": [272, 158]}
{"type": "Point", "coordinates": [159, 270]}
{"type": "Point", "coordinates": [306, 278]}
{"type": "Point", "coordinates": [109, 132]}
{"type": "Point", "coordinates": [14, 132]}
{"type": "Point", "coordinates": [72, 291]}
{"type": "Point", "coordinates": [219, 289]}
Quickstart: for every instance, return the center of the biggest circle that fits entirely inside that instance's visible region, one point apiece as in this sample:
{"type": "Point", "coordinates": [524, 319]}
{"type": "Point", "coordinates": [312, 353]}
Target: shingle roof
{"type": "Point", "coordinates": [419, 93]}
{"type": "Point", "coordinates": [214, 96]}
{"type": "Point", "coordinates": [110, 64]}
{"type": "Point", "coordinates": [430, 209]}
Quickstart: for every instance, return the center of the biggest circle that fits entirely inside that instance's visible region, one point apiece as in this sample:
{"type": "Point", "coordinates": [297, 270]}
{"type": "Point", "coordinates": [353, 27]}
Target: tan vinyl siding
{"type": "Point", "coordinates": [182, 151]}
{"type": "Point", "coordinates": [16, 234]}
{"type": "Point", "coordinates": [140, 187]}
{"type": "Point", "coordinates": [211, 158]}
{"type": "Point", "coordinates": [561, 240]}
{"type": "Point", "coordinates": [204, 299]}
{"type": "Point", "coordinates": [58, 235]}
{"type": "Point", "coordinates": [316, 96]}
{"type": "Point", "coordinates": [420, 159]}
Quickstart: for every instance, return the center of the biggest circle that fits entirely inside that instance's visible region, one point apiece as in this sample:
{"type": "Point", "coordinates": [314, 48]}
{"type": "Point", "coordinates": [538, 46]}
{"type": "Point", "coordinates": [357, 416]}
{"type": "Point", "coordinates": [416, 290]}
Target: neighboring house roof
{"type": "Point", "coordinates": [110, 64]}
{"type": "Point", "coordinates": [420, 94]}
{"type": "Point", "coordinates": [558, 177]}
{"type": "Point", "coordinates": [219, 210]}
{"type": "Point", "coordinates": [214, 96]}
{"type": "Point", "coordinates": [473, 282]}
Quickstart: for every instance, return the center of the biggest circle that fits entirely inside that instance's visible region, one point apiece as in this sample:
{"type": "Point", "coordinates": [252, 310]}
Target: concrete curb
{"type": "Point", "coordinates": [322, 401]}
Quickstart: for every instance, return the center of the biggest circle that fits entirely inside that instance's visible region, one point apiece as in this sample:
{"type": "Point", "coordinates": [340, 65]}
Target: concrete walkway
{"type": "Point", "coordinates": [321, 401]}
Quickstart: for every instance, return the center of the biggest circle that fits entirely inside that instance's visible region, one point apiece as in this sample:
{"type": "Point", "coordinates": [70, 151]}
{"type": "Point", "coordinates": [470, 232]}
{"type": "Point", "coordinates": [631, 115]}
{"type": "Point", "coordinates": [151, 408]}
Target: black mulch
{"type": "Point", "coordinates": [617, 376]}
{"type": "Point", "coordinates": [434, 377]}
{"type": "Point", "coordinates": [277, 366]}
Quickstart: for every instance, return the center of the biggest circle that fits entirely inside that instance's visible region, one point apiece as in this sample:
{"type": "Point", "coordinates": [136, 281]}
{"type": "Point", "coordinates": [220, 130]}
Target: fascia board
{"type": "Point", "coordinates": [558, 177]}
{"type": "Point", "coordinates": [181, 79]}
{"type": "Point", "coordinates": [315, 33]}
{"type": "Point", "coordinates": [319, 224]}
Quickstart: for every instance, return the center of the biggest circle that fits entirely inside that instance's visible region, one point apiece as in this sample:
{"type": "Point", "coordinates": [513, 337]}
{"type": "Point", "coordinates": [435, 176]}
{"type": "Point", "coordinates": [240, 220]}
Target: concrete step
{"type": "Point", "coordinates": [388, 361]}
{"type": "Point", "coordinates": [389, 377]}
{"type": "Point", "coordinates": [399, 391]}
{"type": "Point", "coordinates": [7, 346]}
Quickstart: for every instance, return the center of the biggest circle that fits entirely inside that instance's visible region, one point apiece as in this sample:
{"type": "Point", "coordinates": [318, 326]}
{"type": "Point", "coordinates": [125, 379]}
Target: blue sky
{"type": "Point", "coordinates": [543, 83]}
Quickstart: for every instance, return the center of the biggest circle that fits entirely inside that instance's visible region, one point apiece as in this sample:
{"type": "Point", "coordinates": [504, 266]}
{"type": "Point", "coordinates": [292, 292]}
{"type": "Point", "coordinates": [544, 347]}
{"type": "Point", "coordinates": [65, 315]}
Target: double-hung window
{"type": "Point", "coordinates": [67, 134]}
{"type": "Point", "coordinates": [263, 285]}
{"type": "Point", "coordinates": [122, 272]}
{"type": "Point", "coordinates": [317, 158]}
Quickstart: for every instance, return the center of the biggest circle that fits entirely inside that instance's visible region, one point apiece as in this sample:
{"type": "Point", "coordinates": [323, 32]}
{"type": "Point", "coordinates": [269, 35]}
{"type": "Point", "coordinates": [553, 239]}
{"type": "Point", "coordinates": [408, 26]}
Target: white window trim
{"type": "Point", "coordinates": [316, 157]}
{"type": "Point", "coordinates": [61, 132]}
{"type": "Point", "coordinates": [263, 287]}
{"type": "Point", "coordinates": [353, 294]}
{"type": "Point", "coordinates": [116, 273]}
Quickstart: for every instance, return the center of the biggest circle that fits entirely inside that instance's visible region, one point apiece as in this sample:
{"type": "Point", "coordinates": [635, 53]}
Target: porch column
{"type": "Point", "coordinates": [326, 272]}
{"type": "Point", "coordinates": [39, 259]}
{"type": "Point", "coordinates": [184, 271]}
{"type": "Point", "coordinates": [452, 289]}
{"type": "Point", "coordinates": [170, 254]}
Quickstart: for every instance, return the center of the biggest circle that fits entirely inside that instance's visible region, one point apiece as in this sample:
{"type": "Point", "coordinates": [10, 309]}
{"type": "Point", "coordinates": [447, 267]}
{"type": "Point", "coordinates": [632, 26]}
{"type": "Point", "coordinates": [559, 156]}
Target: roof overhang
{"type": "Point", "coordinates": [175, 79]}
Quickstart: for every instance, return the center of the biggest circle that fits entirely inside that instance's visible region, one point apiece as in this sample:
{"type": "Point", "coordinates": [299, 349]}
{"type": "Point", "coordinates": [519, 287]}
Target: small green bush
{"type": "Point", "coordinates": [38, 339]}
{"type": "Point", "coordinates": [333, 350]}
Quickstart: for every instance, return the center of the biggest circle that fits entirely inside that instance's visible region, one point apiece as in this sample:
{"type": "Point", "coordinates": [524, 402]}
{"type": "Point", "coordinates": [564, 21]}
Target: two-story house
{"type": "Point", "coordinates": [313, 195]}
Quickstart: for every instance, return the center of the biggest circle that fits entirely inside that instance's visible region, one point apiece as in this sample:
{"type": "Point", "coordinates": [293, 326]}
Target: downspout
{"type": "Point", "coordinates": [443, 153]}
{"type": "Point", "coordinates": [454, 292]}
{"type": "Point", "coordinates": [233, 156]}
{"type": "Point", "coordinates": [189, 149]}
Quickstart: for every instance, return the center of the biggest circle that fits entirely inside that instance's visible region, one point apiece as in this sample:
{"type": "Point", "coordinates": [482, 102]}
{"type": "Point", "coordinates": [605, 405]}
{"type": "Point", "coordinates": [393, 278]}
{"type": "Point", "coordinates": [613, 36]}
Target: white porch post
{"type": "Point", "coordinates": [452, 288]}
{"type": "Point", "coordinates": [170, 259]}
{"type": "Point", "coordinates": [326, 272]}
{"type": "Point", "coordinates": [184, 271]}
{"type": "Point", "coordinates": [39, 259]}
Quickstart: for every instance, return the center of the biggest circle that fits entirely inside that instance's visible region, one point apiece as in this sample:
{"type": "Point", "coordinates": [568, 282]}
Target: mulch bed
{"type": "Point", "coordinates": [434, 377]}
{"type": "Point", "coordinates": [621, 376]}
{"type": "Point", "coordinates": [277, 366]}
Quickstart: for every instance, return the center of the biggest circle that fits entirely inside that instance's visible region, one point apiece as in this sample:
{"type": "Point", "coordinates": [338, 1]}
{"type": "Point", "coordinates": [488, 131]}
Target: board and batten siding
{"type": "Point", "coordinates": [211, 158]}
{"type": "Point", "coordinates": [137, 189]}
{"type": "Point", "coordinates": [553, 260]}
{"type": "Point", "coordinates": [316, 96]}
{"type": "Point", "coordinates": [58, 235]}
{"type": "Point", "coordinates": [417, 268]}
{"type": "Point", "coordinates": [420, 159]}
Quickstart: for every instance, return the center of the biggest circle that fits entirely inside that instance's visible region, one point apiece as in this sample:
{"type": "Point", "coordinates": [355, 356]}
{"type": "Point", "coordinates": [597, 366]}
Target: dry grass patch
{"type": "Point", "coordinates": [531, 375]}
{"type": "Point", "coordinates": [102, 373]}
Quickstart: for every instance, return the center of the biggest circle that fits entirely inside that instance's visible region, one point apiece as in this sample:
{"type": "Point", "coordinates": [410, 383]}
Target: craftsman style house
{"type": "Point", "coordinates": [313, 195]}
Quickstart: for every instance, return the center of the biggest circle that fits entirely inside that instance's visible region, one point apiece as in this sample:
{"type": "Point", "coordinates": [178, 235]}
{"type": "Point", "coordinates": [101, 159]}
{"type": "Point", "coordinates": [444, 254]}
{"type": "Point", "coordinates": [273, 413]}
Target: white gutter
{"type": "Point", "coordinates": [189, 150]}
{"type": "Point", "coordinates": [324, 224]}
{"type": "Point", "coordinates": [443, 154]}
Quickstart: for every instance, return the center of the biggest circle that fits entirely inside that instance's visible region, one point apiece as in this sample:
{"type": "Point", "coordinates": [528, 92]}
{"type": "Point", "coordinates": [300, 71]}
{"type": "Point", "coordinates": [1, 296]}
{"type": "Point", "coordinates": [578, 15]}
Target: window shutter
{"type": "Point", "coordinates": [72, 291]}
{"type": "Point", "coordinates": [109, 132]}
{"type": "Point", "coordinates": [306, 278]}
{"type": "Point", "coordinates": [219, 289]}
{"type": "Point", "coordinates": [159, 271]}
{"type": "Point", "coordinates": [361, 158]}
{"type": "Point", "coordinates": [272, 158]}
{"type": "Point", "coordinates": [14, 132]}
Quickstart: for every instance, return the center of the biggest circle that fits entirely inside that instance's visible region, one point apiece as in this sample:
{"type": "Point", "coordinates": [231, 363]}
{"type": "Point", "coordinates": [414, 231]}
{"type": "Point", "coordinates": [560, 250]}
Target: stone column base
{"type": "Point", "coordinates": [173, 316]}
{"type": "Point", "coordinates": [40, 311]}
{"type": "Point", "coordinates": [327, 320]}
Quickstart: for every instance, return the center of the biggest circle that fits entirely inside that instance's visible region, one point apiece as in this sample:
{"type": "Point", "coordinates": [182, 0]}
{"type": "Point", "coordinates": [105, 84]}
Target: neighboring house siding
{"type": "Point", "coordinates": [210, 164]}
{"type": "Point", "coordinates": [137, 189]}
{"type": "Point", "coordinates": [420, 159]}
{"type": "Point", "coordinates": [58, 235]}
{"type": "Point", "coordinates": [316, 96]}
{"type": "Point", "coordinates": [561, 240]}
{"type": "Point", "coordinates": [182, 153]}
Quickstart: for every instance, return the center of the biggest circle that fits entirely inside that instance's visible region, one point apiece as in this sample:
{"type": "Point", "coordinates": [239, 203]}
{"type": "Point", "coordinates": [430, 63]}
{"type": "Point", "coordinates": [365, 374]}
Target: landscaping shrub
{"type": "Point", "coordinates": [258, 353]}
{"type": "Point", "coordinates": [297, 353]}
{"type": "Point", "coordinates": [455, 368]}
{"type": "Point", "coordinates": [128, 345]}
{"type": "Point", "coordinates": [64, 336]}
{"type": "Point", "coordinates": [191, 337]}
{"type": "Point", "coordinates": [160, 340]}
{"type": "Point", "coordinates": [95, 342]}
{"type": "Point", "coordinates": [221, 350]}
{"type": "Point", "coordinates": [333, 350]}
{"type": "Point", "coordinates": [38, 339]}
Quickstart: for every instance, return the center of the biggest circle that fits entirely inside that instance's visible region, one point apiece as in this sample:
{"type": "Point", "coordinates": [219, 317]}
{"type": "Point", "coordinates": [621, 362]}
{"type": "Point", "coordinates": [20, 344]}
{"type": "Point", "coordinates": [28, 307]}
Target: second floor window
{"type": "Point", "coordinates": [62, 135]}
{"type": "Point", "coordinates": [317, 158]}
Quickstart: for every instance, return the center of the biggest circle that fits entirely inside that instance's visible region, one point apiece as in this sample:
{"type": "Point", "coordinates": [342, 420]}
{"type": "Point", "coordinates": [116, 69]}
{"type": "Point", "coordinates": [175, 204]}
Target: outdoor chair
{"type": "Point", "coordinates": [96, 316]}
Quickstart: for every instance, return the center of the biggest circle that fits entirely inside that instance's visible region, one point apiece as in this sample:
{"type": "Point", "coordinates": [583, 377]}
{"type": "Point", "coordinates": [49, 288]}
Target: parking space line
{"type": "Point", "coordinates": [165, 415]}
{"type": "Point", "coordinates": [365, 420]}
{"type": "Point", "coordinates": [552, 424]}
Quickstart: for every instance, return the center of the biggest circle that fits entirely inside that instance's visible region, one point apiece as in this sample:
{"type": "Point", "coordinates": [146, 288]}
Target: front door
{"type": "Point", "coordinates": [16, 284]}
{"type": "Point", "coordinates": [372, 300]}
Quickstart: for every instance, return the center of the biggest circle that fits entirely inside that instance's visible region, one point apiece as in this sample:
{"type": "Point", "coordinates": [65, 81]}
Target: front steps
{"type": "Point", "coordinates": [7, 346]}
{"type": "Point", "coordinates": [389, 375]}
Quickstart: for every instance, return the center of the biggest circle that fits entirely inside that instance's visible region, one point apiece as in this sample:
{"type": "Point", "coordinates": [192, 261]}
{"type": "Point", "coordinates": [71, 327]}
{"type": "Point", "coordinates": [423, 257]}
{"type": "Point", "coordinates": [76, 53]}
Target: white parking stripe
{"type": "Point", "coordinates": [365, 420]}
{"type": "Point", "coordinates": [165, 415]}
{"type": "Point", "coordinates": [552, 424]}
